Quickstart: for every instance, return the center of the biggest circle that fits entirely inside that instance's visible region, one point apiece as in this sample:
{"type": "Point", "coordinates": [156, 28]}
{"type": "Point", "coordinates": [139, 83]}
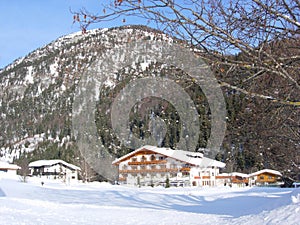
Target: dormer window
{"type": "Point", "coordinates": [199, 156]}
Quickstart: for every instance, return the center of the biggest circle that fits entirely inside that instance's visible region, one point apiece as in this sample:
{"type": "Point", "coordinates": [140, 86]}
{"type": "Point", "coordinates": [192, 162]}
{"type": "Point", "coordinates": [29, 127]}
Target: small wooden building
{"type": "Point", "coordinates": [233, 179]}
{"type": "Point", "coordinates": [265, 177]}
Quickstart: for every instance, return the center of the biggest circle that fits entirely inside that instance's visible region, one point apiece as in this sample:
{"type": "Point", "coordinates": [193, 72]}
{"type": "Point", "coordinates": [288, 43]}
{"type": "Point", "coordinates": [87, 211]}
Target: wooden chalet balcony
{"type": "Point", "coordinates": [164, 170]}
{"type": "Point", "coordinates": [234, 179]}
{"type": "Point", "coordinates": [239, 180]}
{"type": "Point", "coordinates": [185, 169]}
{"type": "Point", "coordinates": [148, 162]}
{"type": "Point", "coordinates": [223, 177]}
{"type": "Point", "coordinates": [202, 177]}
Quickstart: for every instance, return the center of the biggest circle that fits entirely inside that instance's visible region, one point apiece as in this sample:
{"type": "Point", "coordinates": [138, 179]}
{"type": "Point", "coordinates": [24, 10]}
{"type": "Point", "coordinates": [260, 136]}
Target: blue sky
{"type": "Point", "coordinates": [29, 24]}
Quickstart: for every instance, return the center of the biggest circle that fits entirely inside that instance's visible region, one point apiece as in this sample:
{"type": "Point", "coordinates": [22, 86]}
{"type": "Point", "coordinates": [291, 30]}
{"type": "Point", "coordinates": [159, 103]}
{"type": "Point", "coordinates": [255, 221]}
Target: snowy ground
{"type": "Point", "coordinates": [101, 203]}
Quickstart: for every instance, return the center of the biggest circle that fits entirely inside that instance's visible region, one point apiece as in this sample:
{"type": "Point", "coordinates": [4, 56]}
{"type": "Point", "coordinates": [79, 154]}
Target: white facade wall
{"type": "Point", "coordinates": [9, 173]}
{"type": "Point", "coordinates": [146, 176]}
{"type": "Point", "coordinates": [63, 173]}
{"type": "Point", "coordinates": [204, 176]}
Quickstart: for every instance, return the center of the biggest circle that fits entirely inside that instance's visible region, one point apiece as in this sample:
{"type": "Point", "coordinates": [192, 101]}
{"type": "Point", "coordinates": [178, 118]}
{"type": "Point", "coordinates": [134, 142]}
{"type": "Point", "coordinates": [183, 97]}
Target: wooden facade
{"type": "Point", "coordinates": [265, 177]}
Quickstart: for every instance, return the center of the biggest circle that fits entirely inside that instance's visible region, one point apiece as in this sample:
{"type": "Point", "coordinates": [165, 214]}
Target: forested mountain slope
{"type": "Point", "coordinates": [37, 93]}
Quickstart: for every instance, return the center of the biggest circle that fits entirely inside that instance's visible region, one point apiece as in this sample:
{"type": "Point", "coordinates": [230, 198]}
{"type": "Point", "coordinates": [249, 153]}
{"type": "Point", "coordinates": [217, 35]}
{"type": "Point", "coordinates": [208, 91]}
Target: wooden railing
{"type": "Point", "coordinates": [236, 180]}
{"type": "Point", "coordinates": [185, 169]}
{"type": "Point", "coordinates": [164, 170]}
{"type": "Point", "coordinates": [202, 177]}
{"type": "Point", "coordinates": [148, 162]}
{"type": "Point", "coordinates": [223, 177]}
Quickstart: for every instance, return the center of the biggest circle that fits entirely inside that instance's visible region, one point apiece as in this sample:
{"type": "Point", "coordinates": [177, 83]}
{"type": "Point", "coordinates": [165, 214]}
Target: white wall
{"type": "Point", "coordinates": [9, 174]}
{"type": "Point", "coordinates": [63, 172]}
{"type": "Point", "coordinates": [131, 179]}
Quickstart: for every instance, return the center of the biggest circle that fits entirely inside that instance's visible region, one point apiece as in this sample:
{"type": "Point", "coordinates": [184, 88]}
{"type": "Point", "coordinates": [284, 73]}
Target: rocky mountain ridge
{"type": "Point", "coordinates": [37, 91]}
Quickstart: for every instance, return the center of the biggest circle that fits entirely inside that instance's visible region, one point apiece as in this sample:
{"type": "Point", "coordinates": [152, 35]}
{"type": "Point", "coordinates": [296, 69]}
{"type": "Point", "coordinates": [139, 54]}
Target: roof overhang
{"type": "Point", "coordinates": [191, 158]}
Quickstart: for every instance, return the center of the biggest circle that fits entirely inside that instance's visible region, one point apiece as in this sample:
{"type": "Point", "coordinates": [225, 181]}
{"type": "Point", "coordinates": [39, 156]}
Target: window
{"type": "Point", "coordinates": [143, 167]}
{"type": "Point", "coordinates": [134, 167]}
{"type": "Point", "coordinates": [185, 173]}
{"type": "Point", "coordinates": [152, 158]}
{"type": "Point", "coordinates": [143, 159]}
{"type": "Point", "coordinates": [261, 177]}
{"type": "Point", "coordinates": [163, 166]}
{"type": "Point", "coordinates": [133, 160]}
{"type": "Point", "coordinates": [143, 175]}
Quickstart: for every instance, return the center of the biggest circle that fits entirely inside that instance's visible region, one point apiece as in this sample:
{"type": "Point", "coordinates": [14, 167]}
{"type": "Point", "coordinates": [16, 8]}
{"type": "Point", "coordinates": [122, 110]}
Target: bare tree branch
{"type": "Point", "coordinates": [270, 98]}
{"type": "Point", "coordinates": [247, 29]}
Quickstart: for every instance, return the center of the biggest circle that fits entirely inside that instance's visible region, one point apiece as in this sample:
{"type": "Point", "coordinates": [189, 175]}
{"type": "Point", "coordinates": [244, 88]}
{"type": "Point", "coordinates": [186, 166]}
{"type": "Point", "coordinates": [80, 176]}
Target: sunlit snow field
{"type": "Point", "coordinates": [102, 203]}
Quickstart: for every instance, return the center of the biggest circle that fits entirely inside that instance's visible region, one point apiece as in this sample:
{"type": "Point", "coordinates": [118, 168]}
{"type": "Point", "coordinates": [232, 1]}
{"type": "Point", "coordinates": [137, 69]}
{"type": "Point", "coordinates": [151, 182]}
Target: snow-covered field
{"type": "Point", "coordinates": [102, 203]}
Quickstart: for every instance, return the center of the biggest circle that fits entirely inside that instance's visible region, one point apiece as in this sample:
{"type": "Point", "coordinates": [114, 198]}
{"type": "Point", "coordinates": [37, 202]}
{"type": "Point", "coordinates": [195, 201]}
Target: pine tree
{"type": "Point", "coordinates": [167, 182]}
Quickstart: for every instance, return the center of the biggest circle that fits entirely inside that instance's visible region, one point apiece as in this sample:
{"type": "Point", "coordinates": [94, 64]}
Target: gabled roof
{"type": "Point", "coordinates": [265, 171]}
{"type": "Point", "coordinates": [239, 174]}
{"type": "Point", "coordinates": [6, 165]}
{"type": "Point", "coordinates": [194, 158]}
{"type": "Point", "coordinates": [41, 163]}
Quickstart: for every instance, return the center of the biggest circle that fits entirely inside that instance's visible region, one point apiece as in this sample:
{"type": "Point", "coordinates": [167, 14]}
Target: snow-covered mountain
{"type": "Point", "coordinates": [37, 93]}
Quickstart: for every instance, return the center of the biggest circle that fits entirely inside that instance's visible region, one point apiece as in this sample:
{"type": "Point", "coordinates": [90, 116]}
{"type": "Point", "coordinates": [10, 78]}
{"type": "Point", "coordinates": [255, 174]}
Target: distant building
{"type": "Point", "coordinates": [265, 177]}
{"type": "Point", "coordinates": [54, 169]}
{"type": "Point", "coordinates": [8, 169]}
{"type": "Point", "coordinates": [233, 179]}
{"type": "Point", "coordinates": [151, 165]}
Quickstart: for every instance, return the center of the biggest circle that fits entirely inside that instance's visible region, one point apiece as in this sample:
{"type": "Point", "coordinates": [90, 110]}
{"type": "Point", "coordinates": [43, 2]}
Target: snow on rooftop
{"type": "Point", "coordinates": [194, 158]}
{"type": "Point", "coordinates": [239, 174]}
{"type": "Point", "coordinates": [52, 162]}
{"type": "Point", "coordinates": [265, 171]}
{"type": "Point", "coordinates": [6, 165]}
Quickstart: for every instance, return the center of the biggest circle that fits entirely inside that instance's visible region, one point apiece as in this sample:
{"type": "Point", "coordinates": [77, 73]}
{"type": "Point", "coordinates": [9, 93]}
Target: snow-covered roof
{"type": "Point", "coordinates": [6, 165]}
{"type": "Point", "coordinates": [239, 174]}
{"type": "Point", "coordinates": [52, 162]}
{"type": "Point", "coordinates": [194, 158]}
{"type": "Point", "coordinates": [265, 171]}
